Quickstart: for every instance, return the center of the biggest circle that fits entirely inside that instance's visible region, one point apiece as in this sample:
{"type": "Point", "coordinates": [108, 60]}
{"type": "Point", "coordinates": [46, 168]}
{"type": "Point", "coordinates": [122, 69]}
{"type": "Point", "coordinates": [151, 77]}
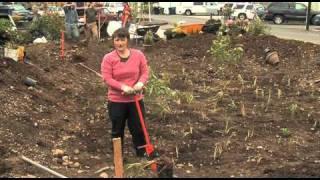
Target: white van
{"type": "Point", "coordinates": [113, 8]}
{"type": "Point", "coordinates": [198, 8]}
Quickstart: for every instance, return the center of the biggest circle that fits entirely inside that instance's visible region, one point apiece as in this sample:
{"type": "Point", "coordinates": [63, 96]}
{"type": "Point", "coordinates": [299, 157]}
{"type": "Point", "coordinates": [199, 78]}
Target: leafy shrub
{"type": "Point", "coordinates": [161, 94]}
{"type": "Point", "coordinates": [12, 36]}
{"type": "Point", "coordinates": [18, 37]}
{"type": "Point", "coordinates": [223, 52]}
{"type": "Point", "coordinates": [48, 26]}
{"type": "Point", "coordinates": [148, 38]}
{"type": "Point", "coordinates": [258, 27]}
{"type": "Point", "coordinates": [5, 28]}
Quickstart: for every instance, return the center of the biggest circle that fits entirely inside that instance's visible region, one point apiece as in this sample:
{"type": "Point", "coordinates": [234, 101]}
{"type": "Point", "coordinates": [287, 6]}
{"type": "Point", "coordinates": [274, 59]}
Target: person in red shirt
{"type": "Point", "coordinates": [126, 15]}
{"type": "Point", "coordinates": [125, 71]}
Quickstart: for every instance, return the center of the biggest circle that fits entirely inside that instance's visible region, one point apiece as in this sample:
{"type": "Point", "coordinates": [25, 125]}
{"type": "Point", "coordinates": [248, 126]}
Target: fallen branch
{"type": "Point", "coordinates": [101, 169]}
{"type": "Point", "coordinates": [42, 167]}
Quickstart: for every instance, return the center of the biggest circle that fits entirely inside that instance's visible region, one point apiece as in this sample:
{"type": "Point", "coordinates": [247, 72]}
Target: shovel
{"type": "Point", "coordinates": [162, 167]}
{"type": "Point", "coordinates": [149, 147]}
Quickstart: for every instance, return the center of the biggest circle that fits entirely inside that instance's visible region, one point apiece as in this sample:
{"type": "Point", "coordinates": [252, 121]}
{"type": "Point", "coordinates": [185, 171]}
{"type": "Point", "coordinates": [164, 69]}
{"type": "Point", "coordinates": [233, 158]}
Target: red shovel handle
{"type": "Point", "coordinates": [146, 135]}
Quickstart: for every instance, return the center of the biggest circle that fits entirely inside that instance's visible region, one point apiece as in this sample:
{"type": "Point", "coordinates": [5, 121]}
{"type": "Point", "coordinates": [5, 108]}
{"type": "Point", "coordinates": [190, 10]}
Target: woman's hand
{"type": "Point", "coordinates": [138, 87]}
{"type": "Point", "coordinates": [127, 90]}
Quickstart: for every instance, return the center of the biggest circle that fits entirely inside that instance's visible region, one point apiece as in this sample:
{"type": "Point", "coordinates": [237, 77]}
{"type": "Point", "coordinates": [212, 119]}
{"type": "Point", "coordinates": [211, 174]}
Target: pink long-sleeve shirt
{"type": "Point", "coordinates": [116, 74]}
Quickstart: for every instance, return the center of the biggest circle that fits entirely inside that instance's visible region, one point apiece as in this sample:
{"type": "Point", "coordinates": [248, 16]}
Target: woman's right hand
{"type": "Point", "coordinates": [127, 90]}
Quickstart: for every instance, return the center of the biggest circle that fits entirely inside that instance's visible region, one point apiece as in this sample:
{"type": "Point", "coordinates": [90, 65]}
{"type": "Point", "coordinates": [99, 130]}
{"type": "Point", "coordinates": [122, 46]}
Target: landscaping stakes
{"type": "Point", "coordinates": [118, 164]}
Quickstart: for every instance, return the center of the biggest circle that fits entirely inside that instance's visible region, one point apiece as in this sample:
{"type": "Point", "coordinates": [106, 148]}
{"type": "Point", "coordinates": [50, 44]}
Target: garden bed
{"type": "Point", "coordinates": [245, 120]}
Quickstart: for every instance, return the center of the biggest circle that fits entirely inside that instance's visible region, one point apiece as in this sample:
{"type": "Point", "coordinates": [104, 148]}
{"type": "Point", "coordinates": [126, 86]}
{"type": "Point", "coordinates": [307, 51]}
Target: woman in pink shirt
{"type": "Point", "coordinates": [125, 72]}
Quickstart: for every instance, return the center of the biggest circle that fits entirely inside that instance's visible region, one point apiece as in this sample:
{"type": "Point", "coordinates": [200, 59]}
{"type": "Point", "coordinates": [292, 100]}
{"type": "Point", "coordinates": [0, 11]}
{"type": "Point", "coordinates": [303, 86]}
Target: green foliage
{"type": "Point", "coordinates": [223, 52]}
{"type": "Point", "coordinates": [161, 94]}
{"type": "Point", "coordinates": [49, 26]}
{"type": "Point", "coordinates": [258, 27]}
{"type": "Point", "coordinates": [159, 87]}
{"type": "Point", "coordinates": [13, 36]}
{"type": "Point", "coordinates": [5, 25]}
{"type": "Point", "coordinates": [148, 38]}
{"type": "Point", "coordinates": [227, 11]}
{"type": "Point", "coordinates": [285, 132]}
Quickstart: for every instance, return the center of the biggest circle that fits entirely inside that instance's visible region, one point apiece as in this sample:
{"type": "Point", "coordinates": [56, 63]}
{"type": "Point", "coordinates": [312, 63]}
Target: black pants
{"type": "Point", "coordinates": [119, 113]}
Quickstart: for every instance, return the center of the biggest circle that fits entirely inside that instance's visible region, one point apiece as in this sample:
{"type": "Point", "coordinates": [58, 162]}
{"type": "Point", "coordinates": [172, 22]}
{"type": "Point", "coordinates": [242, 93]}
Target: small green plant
{"type": "Point", "coordinates": [285, 132]}
{"type": "Point", "coordinates": [161, 94]}
{"type": "Point", "coordinates": [223, 52]}
{"type": "Point", "coordinates": [148, 38]}
{"type": "Point", "coordinates": [49, 26]}
{"type": "Point", "coordinates": [293, 109]}
{"type": "Point", "coordinates": [258, 27]}
{"type": "Point", "coordinates": [227, 11]}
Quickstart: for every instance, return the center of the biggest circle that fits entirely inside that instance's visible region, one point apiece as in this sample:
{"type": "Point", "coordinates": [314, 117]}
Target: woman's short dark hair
{"type": "Point", "coordinates": [121, 33]}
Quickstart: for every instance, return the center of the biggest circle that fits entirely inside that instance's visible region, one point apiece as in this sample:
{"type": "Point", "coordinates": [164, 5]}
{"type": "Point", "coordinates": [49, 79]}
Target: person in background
{"type": "Point", "coordinates": [126, 15]}
{"type": "Point", "coordinates": [125, 72]}
{"type": "Point", "coordinates": [91, 29]}
{"type": "Point", "coordinates": [71, 22]}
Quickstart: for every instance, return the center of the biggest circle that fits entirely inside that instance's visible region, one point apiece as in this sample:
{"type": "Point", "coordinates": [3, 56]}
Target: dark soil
{"type": "Point", "coordinates": [66, 110]}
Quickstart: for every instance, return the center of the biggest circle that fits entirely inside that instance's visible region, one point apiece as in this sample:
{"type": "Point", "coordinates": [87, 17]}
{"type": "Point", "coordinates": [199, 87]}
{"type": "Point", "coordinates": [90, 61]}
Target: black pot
{"type": "Point", "coordinates": [211, 28]}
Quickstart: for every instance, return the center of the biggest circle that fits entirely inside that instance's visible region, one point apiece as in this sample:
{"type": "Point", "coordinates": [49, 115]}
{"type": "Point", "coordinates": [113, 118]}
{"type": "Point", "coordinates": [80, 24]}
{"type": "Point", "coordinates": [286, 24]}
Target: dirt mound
{"type": "Point", "coordinates": [207, 138]}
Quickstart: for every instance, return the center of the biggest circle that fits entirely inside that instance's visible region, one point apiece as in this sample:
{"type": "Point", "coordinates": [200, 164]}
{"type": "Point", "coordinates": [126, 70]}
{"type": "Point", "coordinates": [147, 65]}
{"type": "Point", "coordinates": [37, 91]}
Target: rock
{"type": "Point", "coordinates": [188, 171]}
{"type": "Point", "coordinates": [65, 158]}
{"type": "Point", "coordinates": [180, 165]}
{"type": "Point", "coordinates": [65, 163]}
{"type": "Point", "coordinates": [104, 175]}
{"type": "Point", "coordinates": [80, 171]}
{"type": "Point", "coordinates": [317, 161]}
{"type": "Point", "coordinates": [75, 165]}
{"type": "Point", "coordinates": [76, 151]}
{"type": "Point", "coordinates": [57, 152]}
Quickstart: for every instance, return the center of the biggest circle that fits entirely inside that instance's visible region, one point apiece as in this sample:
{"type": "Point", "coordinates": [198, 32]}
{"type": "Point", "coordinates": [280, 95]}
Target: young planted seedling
{"type": "Point", "coordinates": [148, 38]}
{"type": "Point", "coordinates": [241, 81]}
{"type": "Point", "coordinates": [279, 93]}
{"type": "Point", "coordinates": [249, 135]}
{"type": "Point", "coordinates": [217, 151]}
{"type": "Point", "coordinates": [285, 132]}
{"type": "Point", "coordinates": [269, 100]}
{"type": "Point", "coordinates": [293, 109]}
{"type": "Point", "coordinates": [255, 81]}
{"type": "Point", "coordinates": [177, 152]}
{"type": "Point", "coordinates": [242, 109]}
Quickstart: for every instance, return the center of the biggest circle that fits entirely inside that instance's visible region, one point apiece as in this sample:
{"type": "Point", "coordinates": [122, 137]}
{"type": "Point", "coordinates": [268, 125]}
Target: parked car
{"type": "Point", "coordinates": [19, 13]}
{"type": "Point", "coordinates": [113, 8]}
{"type": "Point", "coordinates": [244, 11]}
{"type": "Point", "coordinates": [280, 12]}
{"type": "Point", "coordinates": [198, 8]}
{"type": "Point", "coordinates": [316, 20]}
{"type": "Point", "coordinates": [5, 9]}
